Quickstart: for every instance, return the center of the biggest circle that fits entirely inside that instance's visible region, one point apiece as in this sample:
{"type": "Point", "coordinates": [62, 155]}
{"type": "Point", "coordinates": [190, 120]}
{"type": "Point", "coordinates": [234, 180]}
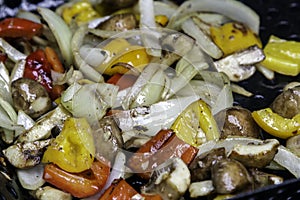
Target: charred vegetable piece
{"type": "Point", "coordinates": [42, 128]}
{"type": "Point", "coordinates": [30, 97]}
{"type": "Point", "coordinates": [81, 12]}
{"type": "Point", "coordinates": [196, 124]}
{"type": "Point", "coordinates": [255, 155]}
{"type": "Point", "coordinates": [170, 180]}
{"type": "Point", "coordinates": [282, 56]}
{"type": "Point", "coordinates": [119, 22]}
{"type": "Point", "coordinates": [229, 176]}
{"type": "Point", "coordinates": [84, 184]}
{"type": "Point", "coordinates": [38, 68]}
{"type": "Point", "coordinates": [233, 37]}
{"type": "Point", "coordinates": [200, 167]}
{"type": "Point", "coordinates": [120, 190]}
{"type": "Point", "coordinates": [287, 104]}
{"type": "Point", "coordinates": [237, 121]}
{"type": "Point", "coordinates": [122, 56]}
{"type": "Point", "coordinates": [157, 150]}
{"type": "Point", "coordinates": [277, 125]}
{"type": "Point", "coordinates": [73, 149]}
{"type": "Point", "coordinates": [107, 138]}
{"type": "Point", "coordinates": [22, 155]}
{"type": "Point", "coordinates": [18, 27]}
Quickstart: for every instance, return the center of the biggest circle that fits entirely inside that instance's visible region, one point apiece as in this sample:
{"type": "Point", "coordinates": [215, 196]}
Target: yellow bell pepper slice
{"type": "Point", "coordinates": [161, 20]}
{"type": "Point", "coordinates": [277, 125]}
{"type": "Point", "coordinates": [196, 124]}
{"type": "Point", "coordinates": [120, 53]}
{"type": "Point", "coordinates": [232, 37]}
{"type": "Point", "coordinates": [282, 56]}
{"type": "Point", "coordinates": [81, 11]}
{"type": "Point", "coordinates": [73, 149]}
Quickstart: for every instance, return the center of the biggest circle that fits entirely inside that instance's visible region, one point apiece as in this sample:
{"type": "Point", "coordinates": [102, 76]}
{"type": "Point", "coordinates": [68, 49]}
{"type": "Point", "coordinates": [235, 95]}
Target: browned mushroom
{"type": "Point", "coordinates": [31, 97]}
{"type": "Point", "coordinates": [287, 104]}
{"type": "Point", "coordinates": [237, 121]}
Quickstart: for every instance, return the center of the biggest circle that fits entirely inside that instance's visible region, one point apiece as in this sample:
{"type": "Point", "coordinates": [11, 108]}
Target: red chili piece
{"type": "Point", "coordinates": [38, 68]}
{"type": "Point", "coordinates": [18, 27]}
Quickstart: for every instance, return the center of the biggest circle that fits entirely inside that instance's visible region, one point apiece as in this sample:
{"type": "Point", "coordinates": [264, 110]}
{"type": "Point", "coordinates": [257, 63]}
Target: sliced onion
{"type": "Point", "coordinates": [268, 73]}
{"type": "Point", "coordinates": [29, 16]}
{"type": "Point", "coordinates": [31, 178]}
{"type": "Point", "coordinates": [11, 52]}
{"type": "Point", "coordinates": [240, 90]}
{"type": "Point", "coordinates": [61, 31]}
{"type": "Point", "coordinates": [147, 23]}
{"type": "Point", "coordinates": [87, 70]}
{"type": "Point", "coordinates": [235, 10]}
{"type": "Point", "coordinates": [203, 40]}
{"type": "Point", "coordinates": [288, 160]}
{"type": "Point", "coordinates": [149, 120]}
{"type": "Point", "coordinates": [163, 8]}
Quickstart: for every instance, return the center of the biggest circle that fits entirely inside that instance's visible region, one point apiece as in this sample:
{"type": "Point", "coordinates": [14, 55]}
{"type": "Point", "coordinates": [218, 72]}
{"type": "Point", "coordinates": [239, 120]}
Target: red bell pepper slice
{"type": "Point", "coordinates": [18, 27]}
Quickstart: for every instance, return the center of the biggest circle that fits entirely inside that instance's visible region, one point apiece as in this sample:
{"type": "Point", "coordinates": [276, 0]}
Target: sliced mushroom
{"type": "Point", "coordinates": [240, 66]}
{"type": "Point", "coordinates": [201, 165]}
{"type": "Point", "coordinates": [119, 22]}
{"type": "Point", "coordinates": [30, 96]}
{"type": "Point", "coordinates": [169, 181]}
{"type": "Point", "coordinates": [287, 104]}
{"type": "Point", "coordinates": [237, 121]}
{"type": "Point", "coordinates": [47, 193]}
{"type": "Point", "coordinates": [229, 176]}
{"type": "Point", "coordinates": [255, 155]}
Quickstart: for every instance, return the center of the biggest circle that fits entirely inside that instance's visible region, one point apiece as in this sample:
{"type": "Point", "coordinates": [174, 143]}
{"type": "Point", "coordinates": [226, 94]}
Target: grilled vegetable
{"type": "Point", "coordinates": [23, 155]}
{"type": "Point", "coordinates": [119, 22]}
{"type": "Point", "coordinates": [293, 144]}
{"type": "Point", "coordinates": [282, 56]}
{"type": "Point", "coordinates": [107, 138]}
{"type": "Point", "coordinates": [30, 97]}
{"type": "Point", "coordinates": [73, 150]}
{"type": "Point", "coordinates": [255, 155]}
{"type": "Point", "coordinates": [18, 27]}
{"type": "Point", "coordinates": [50, 193]}
{"type": "Point", "coordinates": [229, 176]}
{"type": "Point", "coordinates": [9, 187]}
{"type": "Point", "coordinates": [237, 121]}
{"type": "Point", "coordinates": [82, 184]}
{"type": "Point", "coordinates": [81, 12]}
{"type": "Point", "coordinates": [287, 104]}
{"type": "Point", "coordinates": [169, 180]}
{"type": "Point", "coordinates": [277, 125]}
{"type": "Point", "coordinates": [240, 65]}
{"type": "Point", "coordinates": [42, 128]}
{"type": "Point", "coordinates": [232, 37]}
{"type": "Point", "coordinates": [196, 124]}
{"type": "Point", "coordinates": [200, 167]}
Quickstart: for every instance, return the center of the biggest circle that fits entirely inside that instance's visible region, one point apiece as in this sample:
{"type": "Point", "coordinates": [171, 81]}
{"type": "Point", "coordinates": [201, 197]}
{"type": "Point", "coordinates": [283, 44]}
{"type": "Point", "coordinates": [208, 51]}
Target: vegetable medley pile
{"type": "Point", "coordinates": [96, 94]}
